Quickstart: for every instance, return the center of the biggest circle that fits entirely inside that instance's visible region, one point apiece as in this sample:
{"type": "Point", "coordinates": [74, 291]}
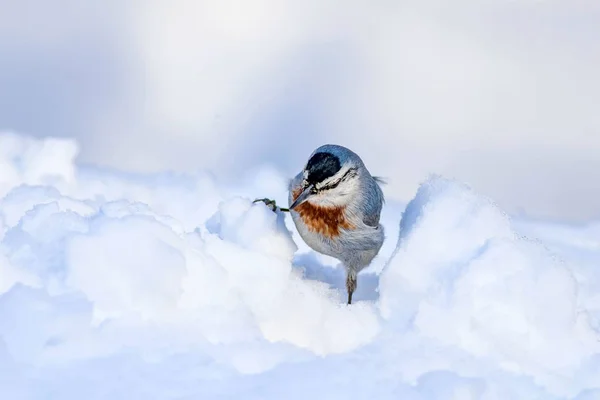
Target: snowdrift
{"type": "Point", "coordinates": [166, 286]}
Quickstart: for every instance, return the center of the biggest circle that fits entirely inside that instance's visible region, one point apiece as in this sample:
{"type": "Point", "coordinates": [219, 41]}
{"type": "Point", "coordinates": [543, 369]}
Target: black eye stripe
{"type": "Point", "coordinates": [349, 173]}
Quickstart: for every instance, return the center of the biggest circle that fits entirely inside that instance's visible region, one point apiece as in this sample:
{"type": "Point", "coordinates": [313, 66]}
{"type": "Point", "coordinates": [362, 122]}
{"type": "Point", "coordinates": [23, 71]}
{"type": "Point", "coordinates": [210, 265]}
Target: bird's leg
{"type": "Point", "coordinates": [350, 284]}
{"type": "Point", "coordinates": [271, 204]}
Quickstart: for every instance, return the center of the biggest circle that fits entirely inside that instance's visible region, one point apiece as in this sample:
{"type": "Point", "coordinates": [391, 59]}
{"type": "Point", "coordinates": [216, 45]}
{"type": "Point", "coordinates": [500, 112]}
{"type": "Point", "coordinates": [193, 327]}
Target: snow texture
{"type": "Point", "coordinates": [121, 286]}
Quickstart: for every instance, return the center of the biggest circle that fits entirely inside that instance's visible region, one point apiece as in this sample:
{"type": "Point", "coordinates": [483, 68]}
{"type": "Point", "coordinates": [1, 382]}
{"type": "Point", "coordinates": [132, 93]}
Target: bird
{"type": "Point", "coordinates": [335, 204]}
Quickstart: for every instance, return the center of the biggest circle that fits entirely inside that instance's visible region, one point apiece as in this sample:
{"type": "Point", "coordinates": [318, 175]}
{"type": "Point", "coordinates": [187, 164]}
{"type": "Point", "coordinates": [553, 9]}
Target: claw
{"type": "Point", "coordinates": [271, 204]}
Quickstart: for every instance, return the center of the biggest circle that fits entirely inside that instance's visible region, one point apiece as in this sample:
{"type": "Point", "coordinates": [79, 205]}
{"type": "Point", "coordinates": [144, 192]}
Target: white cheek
{"type": "Point", "coordinates": [340, 196]}
{"type": "Point", "coordinates": [325, 200]}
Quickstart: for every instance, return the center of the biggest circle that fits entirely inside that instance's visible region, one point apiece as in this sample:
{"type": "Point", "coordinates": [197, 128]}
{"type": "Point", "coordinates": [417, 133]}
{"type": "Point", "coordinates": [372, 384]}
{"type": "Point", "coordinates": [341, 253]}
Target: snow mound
{"type": "Point", "coordinates": [169, 286]}
{"type": "Point", "coordinates": [461, 277]}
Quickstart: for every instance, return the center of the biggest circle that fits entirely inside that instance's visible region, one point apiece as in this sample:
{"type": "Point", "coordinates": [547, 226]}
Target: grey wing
{"type": "Point", "coordinates": [373, 204]}
{"type": "Point", "coordinates": [371, 219]}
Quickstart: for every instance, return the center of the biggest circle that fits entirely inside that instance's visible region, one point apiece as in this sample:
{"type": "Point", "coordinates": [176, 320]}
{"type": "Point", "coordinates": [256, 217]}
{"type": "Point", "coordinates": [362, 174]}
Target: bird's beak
{"type": "Point", "coordinates": [302, 197]}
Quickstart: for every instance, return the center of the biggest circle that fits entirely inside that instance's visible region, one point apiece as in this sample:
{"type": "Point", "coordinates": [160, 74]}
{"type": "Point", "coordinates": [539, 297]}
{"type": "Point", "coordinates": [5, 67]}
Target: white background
{"type": "Point", "coordinates": [501, 94]}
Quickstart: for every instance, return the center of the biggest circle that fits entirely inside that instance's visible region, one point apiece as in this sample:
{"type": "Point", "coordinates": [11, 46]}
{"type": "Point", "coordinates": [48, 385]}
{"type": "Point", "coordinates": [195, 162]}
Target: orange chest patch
{"type": "Point", "coordinates": [328, 221]}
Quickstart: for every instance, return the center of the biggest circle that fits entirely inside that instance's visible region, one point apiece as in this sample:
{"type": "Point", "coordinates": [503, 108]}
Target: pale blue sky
{"type": "Point", "coordinates": [503, 95]}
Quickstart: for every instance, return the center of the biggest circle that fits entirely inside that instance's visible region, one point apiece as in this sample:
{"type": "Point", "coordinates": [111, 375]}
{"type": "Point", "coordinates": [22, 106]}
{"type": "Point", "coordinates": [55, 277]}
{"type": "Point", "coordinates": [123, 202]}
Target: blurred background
{"type": "Point", "coordinates": [503, 95]}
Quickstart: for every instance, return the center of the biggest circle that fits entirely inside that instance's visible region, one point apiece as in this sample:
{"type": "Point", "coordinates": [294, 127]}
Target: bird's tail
{"type": "Point", "coordinates": [380, 180]}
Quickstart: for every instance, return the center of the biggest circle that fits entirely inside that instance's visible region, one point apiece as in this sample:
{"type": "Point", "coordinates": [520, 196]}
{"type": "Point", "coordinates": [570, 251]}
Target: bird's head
{"type": "Point", "coordinates": [331, 178]}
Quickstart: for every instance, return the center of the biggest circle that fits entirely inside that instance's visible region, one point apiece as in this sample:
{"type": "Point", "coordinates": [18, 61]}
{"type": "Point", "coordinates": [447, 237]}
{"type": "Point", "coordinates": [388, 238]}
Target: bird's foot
{"type": "Point", "coordinates": [271, 204]}
{"type": "Point", "coordinates": [350, 285]}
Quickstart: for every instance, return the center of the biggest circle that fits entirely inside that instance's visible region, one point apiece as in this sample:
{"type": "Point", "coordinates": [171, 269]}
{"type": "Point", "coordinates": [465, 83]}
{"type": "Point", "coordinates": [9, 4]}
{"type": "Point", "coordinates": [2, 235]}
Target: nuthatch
{"type": "Point", "coordinates": [336, 204]}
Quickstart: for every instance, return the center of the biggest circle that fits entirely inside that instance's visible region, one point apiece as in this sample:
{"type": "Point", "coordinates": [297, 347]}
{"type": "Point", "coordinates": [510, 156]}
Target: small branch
{"type": "Point", "coordinates": [271, 204]}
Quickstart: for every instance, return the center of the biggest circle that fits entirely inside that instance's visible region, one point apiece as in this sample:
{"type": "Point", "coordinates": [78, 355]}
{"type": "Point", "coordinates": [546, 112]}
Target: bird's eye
{"type": "Point", "coordinates": [349, 174]}
{"type": "Point", "coordinates": [334, 184]}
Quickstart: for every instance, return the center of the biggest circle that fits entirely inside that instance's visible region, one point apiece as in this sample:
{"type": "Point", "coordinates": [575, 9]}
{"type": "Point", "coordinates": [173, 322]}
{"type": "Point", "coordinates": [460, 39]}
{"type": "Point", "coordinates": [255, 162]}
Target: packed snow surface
{"type": "Point", "coordinates": [121, 286]}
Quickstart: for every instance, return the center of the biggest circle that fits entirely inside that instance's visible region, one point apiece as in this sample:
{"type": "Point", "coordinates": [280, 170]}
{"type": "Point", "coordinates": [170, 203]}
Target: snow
{"type": "Point", "coordinates": [168, 286]}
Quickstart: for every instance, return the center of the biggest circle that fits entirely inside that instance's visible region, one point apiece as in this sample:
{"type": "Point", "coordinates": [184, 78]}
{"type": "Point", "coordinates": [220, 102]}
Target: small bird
{"type": "Point", "coordinates": [336, 204]}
